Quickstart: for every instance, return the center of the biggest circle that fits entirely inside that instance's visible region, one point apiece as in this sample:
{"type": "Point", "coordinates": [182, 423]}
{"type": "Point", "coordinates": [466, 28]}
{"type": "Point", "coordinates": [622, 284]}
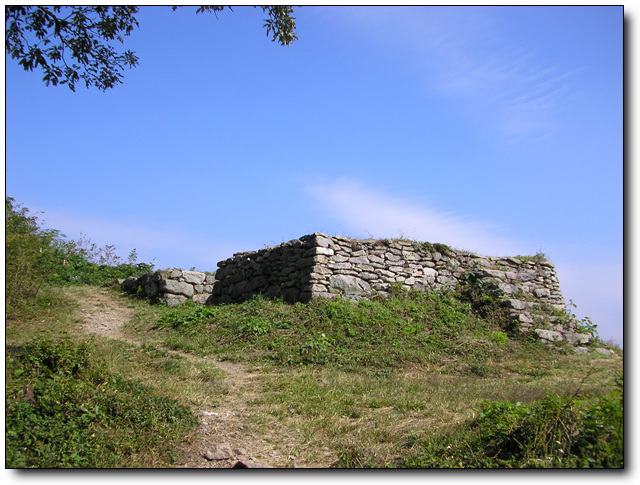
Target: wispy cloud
{"type": "Point", "coordinates": [595, 286]}
{"type": "Point", "coordinates": [168, 246]}
{"type": "Point", "coordinates": [369, 211]}
{"type": "Point", "coordinates": [503, 86]}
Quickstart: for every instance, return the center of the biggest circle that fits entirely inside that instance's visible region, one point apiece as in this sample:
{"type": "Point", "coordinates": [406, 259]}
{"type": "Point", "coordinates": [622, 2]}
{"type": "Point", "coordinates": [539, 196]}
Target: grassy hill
{"type": "Point", "coordinates": [412, 380]}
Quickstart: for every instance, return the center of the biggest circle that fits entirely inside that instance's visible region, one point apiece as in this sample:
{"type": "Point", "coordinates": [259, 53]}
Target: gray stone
{"type": "Point", "coordinates": [368, 276]}
{"type": "Point", "coordinates": [324, 242]}
{"type": "Point", "coordinates": [201, 298]}
{"type": "Point", "coordinates": [177, 288]}
{"type": "Point", "coordinates": [525, 317]}
{"type": "Point", "coordinates": [494, 273]}
{"type": "Point", "coordinates": [515, 304]}
{"type": "Point", "coordinates": [410, 256]}
{"type": "Point", "coordinates": [541, 292]}
{"type": "Point", "coordinates": [339, 266]}
{"type": "Point", "coordinates": [507, 288]}
{"type": "Point", "coordinates": [549, 335]}
{"type": "Point", "coordinates": [446, 280]}
{"type": "Point", "coordinates": [193, 277]}
{"type": "Point", "coordinates": [525, 276]}
{"type": "Point", "coordinates": [174, 300]}
{"type": "Point", "coordinates": [324, 251]}
{"type": "Point", "coordinates": [604, 351]}
{"type": "Point", "coordinates": [430, 274]}
{"type": "Point", "coordinates": [209, 279]}
{"type": "Point", "coordinates": [349, 285]}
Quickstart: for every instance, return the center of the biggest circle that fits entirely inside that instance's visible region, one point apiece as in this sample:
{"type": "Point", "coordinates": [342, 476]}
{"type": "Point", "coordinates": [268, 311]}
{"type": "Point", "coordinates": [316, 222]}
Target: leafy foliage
{"type": "Point", "coordinates": [556, 432]}
{"type": "Point", "coordinates": [71, 44]}
{"type": "Point", "coordinates": [36, 257]}
{"type": "Point", "coordinates": [64, 410]}
{"type": "Point", "coordinates": [28, 256]}
{"type": "Point", "coordinates": [75, 43]}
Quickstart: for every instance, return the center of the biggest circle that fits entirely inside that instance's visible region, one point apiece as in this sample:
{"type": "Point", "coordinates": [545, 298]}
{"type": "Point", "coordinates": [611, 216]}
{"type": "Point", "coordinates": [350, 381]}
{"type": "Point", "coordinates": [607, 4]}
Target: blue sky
{"type": "Point", "coordinates": [497, 130]}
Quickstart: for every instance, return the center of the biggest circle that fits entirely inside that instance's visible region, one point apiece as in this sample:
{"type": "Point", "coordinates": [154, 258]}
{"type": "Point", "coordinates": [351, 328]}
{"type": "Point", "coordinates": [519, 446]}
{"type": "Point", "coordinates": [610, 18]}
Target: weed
{"type": "Point", "coordinates": [555, 432]}
{"type": "Point", "coordinates": [65, 410]}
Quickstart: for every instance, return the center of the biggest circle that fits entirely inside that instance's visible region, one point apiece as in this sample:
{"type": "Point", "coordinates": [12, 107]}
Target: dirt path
{"type": "Point", "coordinates": [226, 433]}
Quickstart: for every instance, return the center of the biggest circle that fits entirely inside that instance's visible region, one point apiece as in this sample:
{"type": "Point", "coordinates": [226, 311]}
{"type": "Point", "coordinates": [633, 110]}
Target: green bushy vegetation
{"type": "Point", "coordinates": [36, 258]}
{"type": "Point", "coordinates": [555, 432]}
{"type": "Point", "coordinates": [63, 409]}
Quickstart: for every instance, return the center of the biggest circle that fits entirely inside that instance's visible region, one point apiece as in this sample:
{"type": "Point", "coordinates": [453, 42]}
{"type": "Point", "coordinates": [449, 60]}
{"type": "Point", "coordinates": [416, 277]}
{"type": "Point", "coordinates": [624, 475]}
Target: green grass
{"type": "Point", "coordinates": [64, 409]}
{"type": "Point", "coordinates": [387, 333]}
{"type": "Point", "coordinates": [395, 370]}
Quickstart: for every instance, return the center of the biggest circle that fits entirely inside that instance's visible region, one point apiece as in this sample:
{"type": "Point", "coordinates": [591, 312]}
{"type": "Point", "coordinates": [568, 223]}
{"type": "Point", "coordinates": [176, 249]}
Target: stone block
{"type": "Point", "coordinates": [201, 298]}
{"type": "Point", "coordinates": [176, 288]}
{"type": "Point", "coordinates": [513, 303]}
{"type": "Point", "coordinates": [193, 277]}
{"type": "Point", "coordinates": [349, 285]}
{"type": "Point", "coordinates": [549, 335]}
{"type": "Point", "coordinates": [324, 251]}
{"type": "Point", "coordinates": [174, 300]}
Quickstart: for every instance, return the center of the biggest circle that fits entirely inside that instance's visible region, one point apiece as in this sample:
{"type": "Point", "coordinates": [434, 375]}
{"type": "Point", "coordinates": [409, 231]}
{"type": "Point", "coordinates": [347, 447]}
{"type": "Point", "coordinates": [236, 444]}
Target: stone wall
{"type": "Point", "coordinates": [321, 266]}
{"type": "Point", "coordinates": [318, 265]}
{"type": "Point", "coordinates": [174, 286]}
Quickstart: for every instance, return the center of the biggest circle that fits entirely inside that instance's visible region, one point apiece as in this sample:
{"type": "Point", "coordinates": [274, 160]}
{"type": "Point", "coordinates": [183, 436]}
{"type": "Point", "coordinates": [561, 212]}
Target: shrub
{"type": "Point", "coordinates": [63, 409]}
{"type": "Point", "coordinates": [556, 432]}
{"type": "Point", "coordinates": [29, 258]}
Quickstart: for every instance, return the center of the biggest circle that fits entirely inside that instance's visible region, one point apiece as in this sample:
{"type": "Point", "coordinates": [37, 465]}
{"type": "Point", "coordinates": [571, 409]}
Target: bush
{"type": "Point", "coordinates": [556, 432]}
{"type": "Point", "coordinates": [36, 257]}
{"type": "Point", "coordinates": [64, 410]}
{"type": "Point", "coordinates": [29, 257]}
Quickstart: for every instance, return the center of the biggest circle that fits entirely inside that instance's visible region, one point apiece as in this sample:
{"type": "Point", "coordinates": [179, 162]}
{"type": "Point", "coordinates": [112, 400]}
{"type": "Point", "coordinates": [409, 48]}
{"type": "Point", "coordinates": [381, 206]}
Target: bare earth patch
{"type": "Point", "coordinates": [227, 433]}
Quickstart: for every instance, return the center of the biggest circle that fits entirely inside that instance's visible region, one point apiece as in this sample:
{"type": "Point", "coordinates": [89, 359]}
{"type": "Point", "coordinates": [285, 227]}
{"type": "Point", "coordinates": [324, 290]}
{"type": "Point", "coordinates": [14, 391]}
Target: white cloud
{"type": "Point", "coordinates": [169, 246]}
{"type": "Point", "coordinates": [372, 212]}
{"type": "Point", "coordinates": [501, 85]}
{"type": "Point", "coordinates": [594, 286]}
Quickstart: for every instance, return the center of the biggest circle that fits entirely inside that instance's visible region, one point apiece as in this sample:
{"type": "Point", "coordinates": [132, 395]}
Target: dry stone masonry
{"type": "Point", "coordinates": [174, 286]}
{"type": "Point", "coordinates": [321, 266]}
